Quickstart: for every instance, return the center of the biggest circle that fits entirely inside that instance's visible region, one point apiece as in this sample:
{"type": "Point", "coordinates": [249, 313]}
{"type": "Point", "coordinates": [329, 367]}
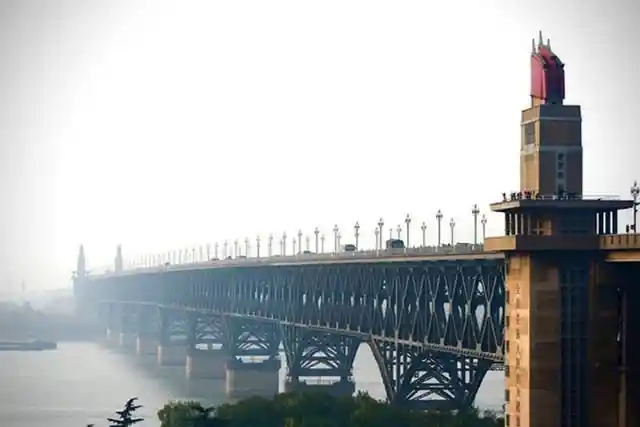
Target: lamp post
{"type": "Point", "coordinates": [208, 252]}
{"type": "Point", "coordinates": [423, 227]}
{"type": "Point", "coordinates": [635, 192]}
{"type": "Point", "coordinates": [380, 226]}
{"type": "Point", "coordinates": [270, 245]}
{"type": "Point", "coordinates": [246, 247]}
{"type": "Point", "coordinates": [316, 232]}
{"type": "Point", "coordinates": [193, 255]}
{"type": "Point", "coordinates": [407, 223]}
{"type": "Point", "coordinates": [257, 246]}
{"type": "Point", "coordinates": [475, 212]}
{"type": "Point", "coordinates": [322, 239]}
{"type": "Point", "coordinates": [356, 232]}
{"type": "Point", "coordinates": [439, 219]}
{"type": "Point", "coordinates": [299, 242]}
{"type": "Point", "coordinates": [293, 245]}
{"type": "Point", "coordinates": [377, 233]}
{"type": "Point", "coordinates": [284, 243]}
{"type": "Point", "coordinates": [307, 242]}
{"type": "Point", "coordinates": [339, 237]}
{"type": "Point", "coordinates": [399, 231]}
{"type": "Point", "coordinates": [336, 230]}
{"type": "Point", "coordinates": [235, 248]}
{"type": "Point", "coordinates": [225, 249]}
{"type": "Point", "coordinates": [452, 224]}
{"type": "Point", "coordinates": [483, 221]}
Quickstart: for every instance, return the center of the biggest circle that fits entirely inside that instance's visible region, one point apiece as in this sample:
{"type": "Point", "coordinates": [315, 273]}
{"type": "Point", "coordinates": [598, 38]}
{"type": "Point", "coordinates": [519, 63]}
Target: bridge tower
{"type": "Point", "coordinates": [560, 362]}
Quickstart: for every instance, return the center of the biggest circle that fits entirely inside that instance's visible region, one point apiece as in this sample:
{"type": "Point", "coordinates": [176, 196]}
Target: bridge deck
{"type": "Point", "coordinates": [363, 257]}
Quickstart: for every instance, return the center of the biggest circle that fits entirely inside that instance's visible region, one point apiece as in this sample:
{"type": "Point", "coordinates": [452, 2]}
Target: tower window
{"type": "Point", "coordinates": [530, 133]}
{"type": "Point", "coordinates": [560, 175]}
{"type": "Point", "coordinates": [560, 157]}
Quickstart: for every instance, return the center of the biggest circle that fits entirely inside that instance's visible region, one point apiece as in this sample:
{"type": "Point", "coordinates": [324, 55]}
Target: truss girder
{"type": "Point", "coordinates": [448, 306]}
{"type": "Point", "coordinates": [428, 379]}
{"type": "Point", "coordinates": [251, 338]}
{"type": "Point", "coordinates": [318, 354]}
{"type": "Point", "coordinates": [206, 328]}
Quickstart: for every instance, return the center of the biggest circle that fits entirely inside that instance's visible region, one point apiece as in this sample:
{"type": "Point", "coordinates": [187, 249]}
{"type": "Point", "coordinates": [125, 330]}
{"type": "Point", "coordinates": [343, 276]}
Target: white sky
{"type": "Point", "coordinates": [164, 125]}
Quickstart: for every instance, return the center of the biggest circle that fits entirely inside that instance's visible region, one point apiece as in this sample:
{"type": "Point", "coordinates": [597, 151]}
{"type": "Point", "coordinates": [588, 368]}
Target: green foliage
{"type": "Point", "coordinates": [307, 410]}
{"type": "Point", "coordinates": [126, 415]}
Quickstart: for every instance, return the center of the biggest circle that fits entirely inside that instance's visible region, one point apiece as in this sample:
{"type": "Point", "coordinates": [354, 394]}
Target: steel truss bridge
{"type": "Point", "coordinates": [434, 321]}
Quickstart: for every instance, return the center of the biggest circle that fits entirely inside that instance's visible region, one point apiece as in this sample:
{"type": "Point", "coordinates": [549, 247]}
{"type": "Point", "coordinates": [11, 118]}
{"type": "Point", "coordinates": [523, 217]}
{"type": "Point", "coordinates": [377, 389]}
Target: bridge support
{"type": "Point", "coordinates": [206, 354]}
{"type": "Point", "coordinates": [173, 338]}
{"type": "Point", "coordinates": [319, 361]}
{"type": "Point", "coordinates": [428, 380]}
{"type": "Point", "coordinates": [148, 331]}
{"type": "Point", "coordinates": [629, 399]}
{"type": "Point", "coordinates": [255, 362]}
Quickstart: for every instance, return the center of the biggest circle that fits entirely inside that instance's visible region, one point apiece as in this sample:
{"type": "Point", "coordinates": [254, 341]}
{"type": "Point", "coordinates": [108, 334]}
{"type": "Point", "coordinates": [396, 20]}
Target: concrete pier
{"type": "Point", "coordinates": [246, 379]}
{"type": "Point", "coordinates": [111, 338]}
{"type": "Point", "coordinates": [206, 364]}
{"type": "Point", "coordinates": [345, 387]}
{"type": "Point", "coordinates": [172, 355]}
{"type": "Point", "coordinates": [127, 341]}
{"type": "Point", "coordinates": [146, 346]}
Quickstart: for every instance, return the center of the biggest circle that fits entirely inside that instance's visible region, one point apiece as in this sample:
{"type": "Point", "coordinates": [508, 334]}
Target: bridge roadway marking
{"type": "Point", "coordinates": [302, 260]}
{"type": "Point", "coordinates": [364, 336]}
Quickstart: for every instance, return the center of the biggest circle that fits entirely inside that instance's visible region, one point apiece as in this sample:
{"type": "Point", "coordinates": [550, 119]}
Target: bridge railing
{"type": "Point", "coordinates": [461, 248]}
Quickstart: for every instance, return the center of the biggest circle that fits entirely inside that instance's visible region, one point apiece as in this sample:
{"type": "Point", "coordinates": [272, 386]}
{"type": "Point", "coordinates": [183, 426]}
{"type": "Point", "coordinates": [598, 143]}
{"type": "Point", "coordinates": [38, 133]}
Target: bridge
{"type": "Point", "coordinates": [553, 300]}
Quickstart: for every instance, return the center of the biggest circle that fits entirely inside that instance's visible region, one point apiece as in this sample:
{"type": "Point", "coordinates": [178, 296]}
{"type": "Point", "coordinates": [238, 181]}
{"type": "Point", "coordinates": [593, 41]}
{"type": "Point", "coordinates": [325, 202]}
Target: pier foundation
{"type": "Point", "coordinates": [172, 355]}
{"type": "Point", "coordinates": [206, 364]}
{"type": "Point", "coordinates": [338, 388]}
{"type": "Point", "coordinates": [246, 379]}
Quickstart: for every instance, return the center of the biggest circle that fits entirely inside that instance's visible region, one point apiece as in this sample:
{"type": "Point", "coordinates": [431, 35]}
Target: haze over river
{"type": "Point", "coordinates": [83, 383]}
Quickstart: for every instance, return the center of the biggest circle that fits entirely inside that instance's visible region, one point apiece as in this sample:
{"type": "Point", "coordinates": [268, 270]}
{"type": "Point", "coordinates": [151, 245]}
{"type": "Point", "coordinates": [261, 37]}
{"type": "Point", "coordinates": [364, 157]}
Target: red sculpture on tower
{"type": "Point", "coordinates": [547, 74]}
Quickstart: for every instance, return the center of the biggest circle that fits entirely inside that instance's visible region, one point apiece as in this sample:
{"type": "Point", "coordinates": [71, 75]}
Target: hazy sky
{"type": "Point", "coordinates": [164, 125]}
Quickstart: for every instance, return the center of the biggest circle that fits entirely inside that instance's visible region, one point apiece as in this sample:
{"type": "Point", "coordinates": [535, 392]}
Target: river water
{"type": "Point", "coordinates": [84, 383]}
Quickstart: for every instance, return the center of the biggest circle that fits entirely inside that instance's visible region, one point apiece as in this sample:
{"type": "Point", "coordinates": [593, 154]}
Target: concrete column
{"type": "Point", "coordinates": [172, 355]}
{"type": "Point", "coordinates": [245, 379]}
{"type": "Point", "coordinates": [206, 364]}
{"type": "Point", "coordinates": [146, 346]}
{"type": "Point", "coordinates": [338, 388]}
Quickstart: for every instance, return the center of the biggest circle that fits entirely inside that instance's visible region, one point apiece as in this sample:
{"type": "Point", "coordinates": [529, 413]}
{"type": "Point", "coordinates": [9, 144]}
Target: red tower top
{"type": "Point", "coordinates": [547, 74]}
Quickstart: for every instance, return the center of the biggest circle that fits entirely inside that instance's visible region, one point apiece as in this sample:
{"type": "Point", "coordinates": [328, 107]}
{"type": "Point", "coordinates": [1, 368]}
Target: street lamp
{"type": "Point", "coordinates": [208, 251]}
{"type": "Point", "coordinates": [339, 237]}
{"type": "Point", "coordinates": [270, 245]}
{"type": "Point", "coordinates": [439, 219]}
{"type": "Point", "coordinates": [307, 242]}
{"type": "Point", "coordinates": [407, 222]}
{"type": "Point", "coordinates": [225, 250]}
{"type": "Point", "coordinates": [293, 245]}
{"type": "Point", "coordinates": [284, 243]}
{"type": "Point", "coordinates": [193, 255]}
{"type": "Point", "coordinates": [377, 233]}
{"type": "Point", "coordinates": [336, 230]}
{"type": "Point", "coordinates": [299, 242]}
{"type": "Point", "coordinates": [216, 246]}
{"type": "Point", "coordinates": [380, 225]}
{"type": "Point", "coordinates": [635, 192]}
{"type": "Point", "coordinates": [483, 221]}
{"type": "Point", "coordinates": [316, 232]}
{"type": "Point", "coordinates": [257, 246]}
{"type": "Point", "coordinates": [246, 247]}
{"type": "Point", "coordinates": [475, 212]}
{"type": "Point", "coordinates": [399, 231]}
{"type": "Point", "coordinates": [452, 224]}
{"type": "Point", "coordinates": [423, 227]}
{"type": "Point", "coordinates": [235, 248]}
{"type": "Point", "coordinates": [356, 232]}
{"type": "Point", "coordinates": [322, 239]}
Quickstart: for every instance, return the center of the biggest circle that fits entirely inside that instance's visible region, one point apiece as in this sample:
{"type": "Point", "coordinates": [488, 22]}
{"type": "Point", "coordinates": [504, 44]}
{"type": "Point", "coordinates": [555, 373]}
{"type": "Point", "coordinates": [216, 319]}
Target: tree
{"type": "Point", "coordinates": [126, 415]}
{"type": "Point", "coordinates": [188, 414]}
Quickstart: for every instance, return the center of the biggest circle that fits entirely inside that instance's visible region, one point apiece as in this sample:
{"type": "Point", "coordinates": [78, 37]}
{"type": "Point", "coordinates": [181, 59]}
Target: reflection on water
{"type": "Point", "coordinates": [83, 383]}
